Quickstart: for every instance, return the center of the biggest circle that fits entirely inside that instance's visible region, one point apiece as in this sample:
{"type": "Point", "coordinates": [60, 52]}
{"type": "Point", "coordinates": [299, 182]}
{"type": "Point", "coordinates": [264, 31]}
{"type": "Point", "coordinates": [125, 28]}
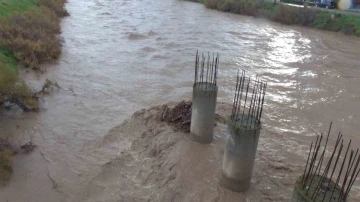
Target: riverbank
{"type": "Point", "coordinates": [289, 15]}
{"type": "Point", "coordinates": [122, 56]}
{"type": "Point", "coordinates": [28, 37]}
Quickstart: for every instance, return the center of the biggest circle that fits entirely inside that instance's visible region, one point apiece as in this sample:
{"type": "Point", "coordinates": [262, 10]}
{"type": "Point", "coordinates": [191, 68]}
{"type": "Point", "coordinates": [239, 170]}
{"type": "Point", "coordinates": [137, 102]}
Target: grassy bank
{"type": "Point", "coordinates": [9, 7]}
{"type": "Point", "coordinates": [28, 35]}
{"type": "Point", "coordinates": [29, 30]}
{"type": "Point", "coordinates": [320, 19]}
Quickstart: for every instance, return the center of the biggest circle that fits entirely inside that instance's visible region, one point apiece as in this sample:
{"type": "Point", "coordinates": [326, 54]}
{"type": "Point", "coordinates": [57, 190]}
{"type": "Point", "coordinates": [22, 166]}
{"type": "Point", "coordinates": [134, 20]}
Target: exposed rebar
{"type": "Point", "coordinates": [206, 69]}
{"type": "Point", "coordinates": [248, 101]}
{"type": "Point", "coordinates": [323, 184]}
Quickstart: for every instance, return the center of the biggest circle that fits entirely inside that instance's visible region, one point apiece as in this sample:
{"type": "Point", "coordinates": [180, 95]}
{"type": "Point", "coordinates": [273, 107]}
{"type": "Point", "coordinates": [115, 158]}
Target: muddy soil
{"type": "Point", "coordinates": [162, 164]}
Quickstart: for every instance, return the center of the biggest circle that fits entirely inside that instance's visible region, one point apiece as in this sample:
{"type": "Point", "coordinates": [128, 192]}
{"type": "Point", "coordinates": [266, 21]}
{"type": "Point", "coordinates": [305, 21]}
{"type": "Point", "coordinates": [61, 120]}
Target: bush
{"type": "Point", "coordinates": [57, 6]}
{"type": "Point", "coordinates": [285, 15]}
{"type": "Point", "coordinates": [293, 15]}
{"type": "Point", "coordinates": [348, 24]}
{"type": "Point", "coordinates": [37, 19]}
{"type": "Point", "coordinates": [31, 36]}
{"type": "Point", "coordinates": [244, 7]}
{"type": "Point", "coordinates": [5, 164]}
{"type": "Point", "coordinates": [336, 22]}
{"type": "Point", "coordinates": [14, 90]}
{"type": "Point", "coordinates": [214, 4]}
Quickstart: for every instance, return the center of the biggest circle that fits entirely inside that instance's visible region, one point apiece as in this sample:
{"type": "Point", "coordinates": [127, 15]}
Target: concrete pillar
{"type": "Point", "coordinates": [300, 193]}
{"type": "Point", "coordinates": [203, 112]}
{"type": "Point", "coordinates": [239, 154]}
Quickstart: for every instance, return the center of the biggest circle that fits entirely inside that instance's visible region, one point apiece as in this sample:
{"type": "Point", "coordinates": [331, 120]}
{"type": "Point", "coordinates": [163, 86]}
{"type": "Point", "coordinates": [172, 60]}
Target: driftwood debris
{"type": "Point", "coordinates": [28, 147]}
{"type": "Point", "coordinates": [178, 116]}
{"type": "Point", "coordinates": [46, 89]}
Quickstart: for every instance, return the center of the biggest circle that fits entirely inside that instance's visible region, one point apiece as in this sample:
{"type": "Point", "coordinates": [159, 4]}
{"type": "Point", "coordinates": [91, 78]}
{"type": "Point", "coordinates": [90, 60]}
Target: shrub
{"type": "Point", "coordinates": [283, 14]}
{"type": "Point", "coordinates": [57, 6]}
{"type": "Point", "coordinates": [15, 90]}
{"type": "Point", "coordinates": [235, 6]}
{"type": "Point", "coordinates": [244, 7]}
{"type": "Point", "coordinates": [6, 164]}
{"type": "Point", "coordinates": [37, 19]}
{"type": "Point", "coordinates": [324, 20]}
{"type": "Point", "coordinates": [214, 4]}
{"type": "Point", "coordinates": [293, 15]}
{"type": "Point", "coordinates": [346, 24]}
{"type": "Point", "coordinates": [31, 36]}
{"type": "Point", "coordinates": [239, 7]}
{"type": "Point", "coordinates": [226, 6]}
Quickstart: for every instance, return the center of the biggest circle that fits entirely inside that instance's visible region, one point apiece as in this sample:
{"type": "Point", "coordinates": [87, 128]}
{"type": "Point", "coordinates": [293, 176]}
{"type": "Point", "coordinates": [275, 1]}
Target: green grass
{"type": "Point", "coordinates": [348, 24]}
{"type": "Point", "coordinates": [9, 7]}
{"type": "Point", "coordinates": [8, 59]}
{"type": "Point", "coordinates": [28, 30]}
{"type": "Point", "coordinates": [29, 19]}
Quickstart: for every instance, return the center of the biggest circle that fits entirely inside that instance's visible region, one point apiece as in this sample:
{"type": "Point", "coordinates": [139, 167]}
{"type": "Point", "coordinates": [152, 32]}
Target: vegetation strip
{"type": "Point", "coordinates": [290, 15]}
{"type": "Point", "coordinates": [28, 35]}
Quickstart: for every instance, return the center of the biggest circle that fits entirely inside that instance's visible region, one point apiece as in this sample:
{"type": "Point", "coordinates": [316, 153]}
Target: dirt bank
{"type": "Point", "coordinates": [162, 164]}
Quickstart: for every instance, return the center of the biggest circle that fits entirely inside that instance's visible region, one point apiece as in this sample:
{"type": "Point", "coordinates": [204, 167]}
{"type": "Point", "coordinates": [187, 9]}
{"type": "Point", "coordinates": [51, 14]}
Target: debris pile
{"type": "Point", "coordinates": [28, 147]}
{"type": "Point", "coordinates": [179, 116]}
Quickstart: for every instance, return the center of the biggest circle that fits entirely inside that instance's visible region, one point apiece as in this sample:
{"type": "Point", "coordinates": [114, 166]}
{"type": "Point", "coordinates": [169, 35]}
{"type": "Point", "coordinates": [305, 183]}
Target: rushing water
{"type": "Point", "coordinates": [121, 56]}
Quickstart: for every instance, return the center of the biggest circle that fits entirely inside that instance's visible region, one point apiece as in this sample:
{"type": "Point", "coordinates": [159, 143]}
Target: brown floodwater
{"type": "Point", "coordinates": [122, 56]}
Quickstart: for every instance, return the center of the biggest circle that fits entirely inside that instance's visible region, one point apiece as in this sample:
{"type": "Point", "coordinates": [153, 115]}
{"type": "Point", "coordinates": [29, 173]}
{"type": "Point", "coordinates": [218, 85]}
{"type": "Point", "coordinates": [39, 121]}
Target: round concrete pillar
{"type": "Point", "coordinates": [240, 152]}
{"type": "Point", "coordinates": [203, 112]}
{"type": "Point", "coordinates": [325, 190]}
{"type": "Point", "coordinates": [299, 194]}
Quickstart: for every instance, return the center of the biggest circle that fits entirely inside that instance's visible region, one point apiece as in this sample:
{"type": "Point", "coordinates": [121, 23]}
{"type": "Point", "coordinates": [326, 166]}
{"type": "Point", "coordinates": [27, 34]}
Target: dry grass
{"type": "Point", "coordinates": [214, 4]}
{"type": "Point", "coordinates": [6, 165]}
{"type": "Point", "coordinates": [6, 154]}
{"type": "Point", "coordinates": [243, 7]}
{"type": "Point", "coordinates": [15, 90]}
{"type": "Point", "coordinates": [32, 35]}
{"type": "Point", "coordinates": [28, 35]}
{"type": "Point", "coordinates": [57, 6]}
{"type": "Point", "coordinates": [28, 30]}
{"type": "Point", "coordinates": [299, 16]}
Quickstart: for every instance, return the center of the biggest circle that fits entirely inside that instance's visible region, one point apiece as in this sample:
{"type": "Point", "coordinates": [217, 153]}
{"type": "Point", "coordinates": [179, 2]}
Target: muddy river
{"type": "Point", "coordinates": [122, 56]}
